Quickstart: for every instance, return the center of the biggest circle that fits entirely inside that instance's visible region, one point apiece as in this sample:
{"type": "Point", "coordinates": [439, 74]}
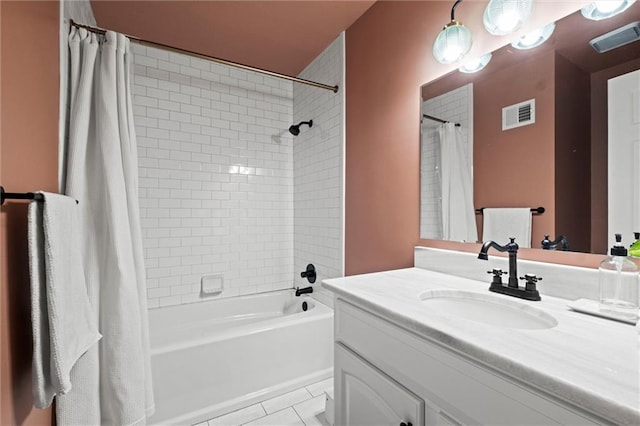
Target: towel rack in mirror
{"type": "Point", "coordinates": [538, 210]}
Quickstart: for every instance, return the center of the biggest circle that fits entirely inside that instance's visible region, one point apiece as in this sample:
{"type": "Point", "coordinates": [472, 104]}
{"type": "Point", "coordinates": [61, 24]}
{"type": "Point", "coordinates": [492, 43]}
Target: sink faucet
{"type": "Point", "coordinates": [529, 291]}
{"type": "Point", "coordinates": [512, 248]}
{"type": "Point", "coordinates": [559, 243]}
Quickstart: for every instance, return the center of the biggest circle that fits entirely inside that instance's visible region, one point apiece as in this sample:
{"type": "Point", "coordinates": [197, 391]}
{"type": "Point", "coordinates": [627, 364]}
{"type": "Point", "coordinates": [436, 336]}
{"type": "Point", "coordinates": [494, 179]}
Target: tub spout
{"type": "Point", "coordinates": [305, 290]}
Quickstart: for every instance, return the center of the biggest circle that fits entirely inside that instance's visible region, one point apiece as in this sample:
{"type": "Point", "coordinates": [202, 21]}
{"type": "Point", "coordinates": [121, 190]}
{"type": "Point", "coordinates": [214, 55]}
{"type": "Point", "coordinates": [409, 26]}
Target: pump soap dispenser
{"type": "Point", "coordinates": [619, 282]}
{"type": "Point", "coordinates": [634, 250]}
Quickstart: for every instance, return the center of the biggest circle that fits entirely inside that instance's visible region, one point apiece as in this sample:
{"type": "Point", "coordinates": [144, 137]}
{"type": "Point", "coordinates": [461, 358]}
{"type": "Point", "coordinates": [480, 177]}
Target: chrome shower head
{"type": "Point", "coordinates": [295, 129]}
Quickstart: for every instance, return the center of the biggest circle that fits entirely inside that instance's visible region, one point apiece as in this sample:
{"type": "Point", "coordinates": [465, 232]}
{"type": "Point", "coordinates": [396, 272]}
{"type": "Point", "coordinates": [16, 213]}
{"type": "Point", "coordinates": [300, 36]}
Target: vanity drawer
{"type": "Point", "coordinates": [466, 391]}
{"type": "Point", "coordinates": [367, 396]}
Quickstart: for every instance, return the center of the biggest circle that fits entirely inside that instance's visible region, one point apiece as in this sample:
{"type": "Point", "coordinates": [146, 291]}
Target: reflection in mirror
{"type": "Point", "coordinates": [555, 152]}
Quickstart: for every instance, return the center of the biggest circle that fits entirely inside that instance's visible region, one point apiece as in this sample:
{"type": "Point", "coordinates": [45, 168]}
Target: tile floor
{"type": "Point", "coordinates": [301, 407]}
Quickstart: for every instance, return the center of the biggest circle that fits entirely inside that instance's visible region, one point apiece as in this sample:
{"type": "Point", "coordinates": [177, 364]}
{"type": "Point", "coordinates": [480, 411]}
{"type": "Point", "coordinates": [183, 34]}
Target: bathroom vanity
{"type": "Point", "coordinates": [417, 347]}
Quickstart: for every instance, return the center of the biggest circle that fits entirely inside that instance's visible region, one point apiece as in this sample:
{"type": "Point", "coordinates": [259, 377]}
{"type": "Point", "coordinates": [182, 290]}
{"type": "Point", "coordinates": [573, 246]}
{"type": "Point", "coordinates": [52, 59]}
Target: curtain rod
{"type": "Point", "coordinates": [101, 31]}
{"type": "Point", "coordinates": [439, 120]}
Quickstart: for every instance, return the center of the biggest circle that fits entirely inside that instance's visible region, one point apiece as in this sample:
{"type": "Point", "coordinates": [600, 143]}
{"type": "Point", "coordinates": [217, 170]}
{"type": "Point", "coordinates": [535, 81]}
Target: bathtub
{"type": "Point", "coordinates": [213, 357]}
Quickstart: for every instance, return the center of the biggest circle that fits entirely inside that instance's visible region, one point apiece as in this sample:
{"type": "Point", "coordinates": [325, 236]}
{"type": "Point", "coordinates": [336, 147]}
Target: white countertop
{"type": "Point", "coordinates": [588, 361]}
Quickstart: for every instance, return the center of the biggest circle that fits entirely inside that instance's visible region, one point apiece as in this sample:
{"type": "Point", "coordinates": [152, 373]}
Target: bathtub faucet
{"type": "Point", "coordinates": [305, 290]}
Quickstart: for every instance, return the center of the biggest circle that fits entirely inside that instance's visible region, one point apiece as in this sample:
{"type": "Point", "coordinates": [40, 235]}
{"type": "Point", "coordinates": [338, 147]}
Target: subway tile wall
{"type": "Point", "coordinates": [318, 154]}
{"type": "Point", "coordinates": [216, 176]}
{"type": "Point", "coordinates": [455, 106]}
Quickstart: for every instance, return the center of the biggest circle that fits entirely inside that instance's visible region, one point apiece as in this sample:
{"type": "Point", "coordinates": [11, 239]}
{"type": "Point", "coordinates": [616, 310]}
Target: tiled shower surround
{"type": "Point", "coordinates": [455, 106]}
{"type": "Point", "coordinates": [318, 158]}
{"type": "Point", "coordinates": [216, 176]}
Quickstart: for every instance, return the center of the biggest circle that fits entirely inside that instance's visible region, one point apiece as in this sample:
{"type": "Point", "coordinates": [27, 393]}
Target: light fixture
{"type": "Point", "coordinates": [503, 17]}
{"type": "Point", "coordinates": [453, 42]}
{"type": "Point", "coordinates": [605, 9]}
{"type": "Point", "coordinates": [475, 64]}
{"type": "Point", "coordinates": [534, 38]}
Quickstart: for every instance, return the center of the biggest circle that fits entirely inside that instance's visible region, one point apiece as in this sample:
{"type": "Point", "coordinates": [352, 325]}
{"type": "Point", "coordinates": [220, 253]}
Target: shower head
{"type": "Point", "coordinates": [295, 129]}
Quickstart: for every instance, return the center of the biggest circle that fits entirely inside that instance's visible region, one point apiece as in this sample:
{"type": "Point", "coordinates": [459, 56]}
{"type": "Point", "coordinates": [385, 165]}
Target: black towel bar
{"type": "Point", "coordinates": [20, 196]}
{"type": "Point", "coordinates": [538, 210]}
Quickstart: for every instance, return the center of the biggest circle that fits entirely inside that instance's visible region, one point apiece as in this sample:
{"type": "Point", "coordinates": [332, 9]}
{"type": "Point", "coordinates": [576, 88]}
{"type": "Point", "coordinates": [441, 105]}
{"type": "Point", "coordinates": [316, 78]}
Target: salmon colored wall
{"type": "Point", "coordinates": [28, 161]}
{"type": "Point", "coordinates": [515, 168]}
{"type": "Point", "coordinates": [572, 154]}
{"type": "Point", "coordinates": [388, 58]}
{"type": "Point", "coordinates": [382, 159]}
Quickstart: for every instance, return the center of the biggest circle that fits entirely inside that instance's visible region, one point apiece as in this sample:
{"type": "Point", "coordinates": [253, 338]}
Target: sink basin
{"type": "Point", "coordinates": [487, 309]}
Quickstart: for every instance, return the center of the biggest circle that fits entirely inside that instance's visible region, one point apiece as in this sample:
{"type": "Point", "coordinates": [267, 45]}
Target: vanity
{"type": "Point", "coordinates": [419, 347]}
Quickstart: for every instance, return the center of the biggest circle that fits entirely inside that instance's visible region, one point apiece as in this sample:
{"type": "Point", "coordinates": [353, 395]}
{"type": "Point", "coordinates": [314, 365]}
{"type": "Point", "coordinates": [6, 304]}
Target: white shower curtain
{"type": "Point", "coordinates": [458, 212]}
{"type": "Point", "coordinates": [112, 381]}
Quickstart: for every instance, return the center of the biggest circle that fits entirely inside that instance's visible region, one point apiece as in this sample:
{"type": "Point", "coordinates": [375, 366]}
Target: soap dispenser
{"type": "Point", "coordinates": [634, 250]}
{"type": "Point", "coordinates": [619, 282]}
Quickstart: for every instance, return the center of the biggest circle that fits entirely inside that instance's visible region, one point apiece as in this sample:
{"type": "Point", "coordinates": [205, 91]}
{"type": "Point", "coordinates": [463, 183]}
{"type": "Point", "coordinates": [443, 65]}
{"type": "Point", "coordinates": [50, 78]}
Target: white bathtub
{"type": "Point", "coordinates": [214, 357]}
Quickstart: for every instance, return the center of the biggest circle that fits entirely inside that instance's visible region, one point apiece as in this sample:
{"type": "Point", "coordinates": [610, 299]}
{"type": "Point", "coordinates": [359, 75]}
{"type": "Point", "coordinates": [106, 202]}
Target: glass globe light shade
{"type": "Point", "coordinates": [453, 43]}
{"type": "Point", "coordinates": [475, 64]}
{"type": "Point", "coordinates": [503, 17]}
{"type": "Point", "coordinates": [535, 38]}
{"type": "Point", "coordinates": [599, 10]}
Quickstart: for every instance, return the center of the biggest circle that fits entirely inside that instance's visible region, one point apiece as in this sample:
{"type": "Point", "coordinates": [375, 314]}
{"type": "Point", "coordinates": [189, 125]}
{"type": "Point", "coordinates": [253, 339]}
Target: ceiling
{"type": "Point", "coordinates": [280, 36]}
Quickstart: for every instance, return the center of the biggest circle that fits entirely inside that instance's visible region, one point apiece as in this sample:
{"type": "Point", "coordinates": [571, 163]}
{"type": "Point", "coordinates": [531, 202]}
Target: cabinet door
{"type": "Point", "coordinates": [437, 417]}
{"type": "Point", "coordinates": [365, 396]}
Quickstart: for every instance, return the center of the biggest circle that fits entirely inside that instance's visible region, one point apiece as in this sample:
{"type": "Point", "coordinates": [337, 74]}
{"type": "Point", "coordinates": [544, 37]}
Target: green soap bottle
{"type": "Point", "coordinates": [634, 250]}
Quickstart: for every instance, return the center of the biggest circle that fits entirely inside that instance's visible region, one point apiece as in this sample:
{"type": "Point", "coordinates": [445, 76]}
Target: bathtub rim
{"type": "Point", "coordinates": [318, 311]}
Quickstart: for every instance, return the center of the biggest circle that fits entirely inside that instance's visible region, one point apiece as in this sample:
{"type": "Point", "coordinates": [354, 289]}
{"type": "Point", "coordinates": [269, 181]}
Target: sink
{"type": "Point", "coordinates": [487, 309]}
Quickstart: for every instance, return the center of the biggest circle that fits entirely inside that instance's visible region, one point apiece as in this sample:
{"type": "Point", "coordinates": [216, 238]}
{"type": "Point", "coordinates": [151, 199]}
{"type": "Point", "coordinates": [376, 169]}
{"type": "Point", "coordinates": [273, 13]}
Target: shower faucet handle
{"type": "Point", "coordinates": [309, 273]}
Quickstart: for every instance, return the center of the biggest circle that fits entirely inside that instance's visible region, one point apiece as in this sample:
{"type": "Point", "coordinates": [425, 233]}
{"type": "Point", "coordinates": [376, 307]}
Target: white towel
{"type": "Point", "coordinates": [501, 224]}
{"type": "Point", "coordinates": [62, 318]}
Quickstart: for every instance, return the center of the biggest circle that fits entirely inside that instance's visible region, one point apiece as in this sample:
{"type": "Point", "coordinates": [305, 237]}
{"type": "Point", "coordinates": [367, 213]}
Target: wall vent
{"type": "Point", "coordinates": [521, 114]}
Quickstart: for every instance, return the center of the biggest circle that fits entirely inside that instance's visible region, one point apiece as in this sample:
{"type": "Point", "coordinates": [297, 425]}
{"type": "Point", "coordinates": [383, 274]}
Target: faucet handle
{"type": "Point", "coordinates": [309, 273]}
{"type": "Point", "coordinates": [497, 275]}
{"type": "Point", "coordinates": [530, 281]}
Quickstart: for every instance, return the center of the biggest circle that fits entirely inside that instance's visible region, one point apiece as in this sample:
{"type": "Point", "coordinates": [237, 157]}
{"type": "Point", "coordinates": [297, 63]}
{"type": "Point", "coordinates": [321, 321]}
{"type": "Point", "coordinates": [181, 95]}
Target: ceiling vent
{"type": "Point", "coordinates": [616, 38]}
{"type": "Point", "coordinates": [517, 115]}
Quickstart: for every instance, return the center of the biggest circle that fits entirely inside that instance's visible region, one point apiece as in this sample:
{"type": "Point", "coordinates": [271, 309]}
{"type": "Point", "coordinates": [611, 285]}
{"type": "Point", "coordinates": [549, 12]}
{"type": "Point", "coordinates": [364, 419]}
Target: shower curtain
{"type": "Point", "coordinates": [458, 212]}
{"type": "Point", "coordinates": [112, 381]}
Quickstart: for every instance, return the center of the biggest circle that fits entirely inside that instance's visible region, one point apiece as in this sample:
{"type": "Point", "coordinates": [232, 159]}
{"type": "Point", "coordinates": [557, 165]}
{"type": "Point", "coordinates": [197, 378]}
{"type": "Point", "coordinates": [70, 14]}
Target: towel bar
{"type": "Point", "coordinates": [20, 196]}
{"type": "Point", "coordinates": [538, 210]}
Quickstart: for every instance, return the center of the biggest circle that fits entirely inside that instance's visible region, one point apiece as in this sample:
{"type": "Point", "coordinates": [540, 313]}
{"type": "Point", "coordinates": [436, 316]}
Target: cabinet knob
{"type": "Point", "coordinates": [406, 424]}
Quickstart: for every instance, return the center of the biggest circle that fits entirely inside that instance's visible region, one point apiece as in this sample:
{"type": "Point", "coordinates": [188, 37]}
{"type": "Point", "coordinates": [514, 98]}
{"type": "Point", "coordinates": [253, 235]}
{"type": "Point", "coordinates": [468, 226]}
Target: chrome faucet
{"type": "Point", "coordinates": [512, 288]}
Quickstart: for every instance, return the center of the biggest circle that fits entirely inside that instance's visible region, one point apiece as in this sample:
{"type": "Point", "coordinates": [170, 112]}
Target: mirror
{"type": "Point", "coordinates": [558, 159]}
